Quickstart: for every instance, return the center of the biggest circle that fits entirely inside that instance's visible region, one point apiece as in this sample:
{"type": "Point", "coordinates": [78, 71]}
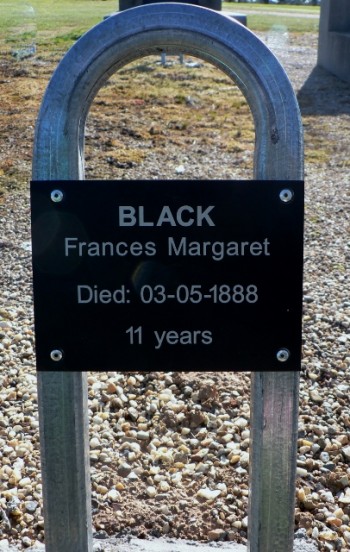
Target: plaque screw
{"type": "Point", "coordinates": [56, 196]}
{"type": "Point", "coordinates": [56, 355]}
{"type": "Point", "coordinates": [286, 195]}
{"type": "Point", "coordinates": [283, 355]}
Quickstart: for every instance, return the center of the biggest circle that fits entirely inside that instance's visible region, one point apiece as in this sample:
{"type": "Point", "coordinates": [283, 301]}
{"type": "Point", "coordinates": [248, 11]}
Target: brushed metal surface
{"type": "Point", "coordinates": [63, 417]}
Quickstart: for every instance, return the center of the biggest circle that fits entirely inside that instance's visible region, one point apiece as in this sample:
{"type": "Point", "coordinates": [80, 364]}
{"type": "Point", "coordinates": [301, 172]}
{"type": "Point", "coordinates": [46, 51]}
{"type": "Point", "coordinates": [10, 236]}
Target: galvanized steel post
{"type": "Point", "coordinates": [59, 153]}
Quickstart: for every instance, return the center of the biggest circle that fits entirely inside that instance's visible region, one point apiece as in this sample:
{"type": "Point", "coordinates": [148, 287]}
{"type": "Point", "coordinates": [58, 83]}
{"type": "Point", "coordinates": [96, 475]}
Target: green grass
{"type": "Point", "coordinates": [44, 21]}
{"type": "Point", "coordinates": [291, 24]}
{"type": "Point", "coordinates": [61, 22]}
{"type": "Point", "coordinates": [264, 21]}
{"type": "Point", "coordinates": [233, 6]}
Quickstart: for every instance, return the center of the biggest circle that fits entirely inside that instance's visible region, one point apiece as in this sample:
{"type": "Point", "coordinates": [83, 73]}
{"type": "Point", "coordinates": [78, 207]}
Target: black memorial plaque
{"type": "Point", "coordinates": [167, 275]}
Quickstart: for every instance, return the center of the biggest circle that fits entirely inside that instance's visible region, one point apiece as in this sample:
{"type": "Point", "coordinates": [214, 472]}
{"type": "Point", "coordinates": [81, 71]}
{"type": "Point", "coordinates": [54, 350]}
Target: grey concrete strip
{"type": "Point", "coordinates": [132, 544]}
{"type": "Point", "coordinates": [285, 13]}
{"type": "Point", "coordinates": [125, 544]}
{"type": "Point", "coordinates": [171, 545]}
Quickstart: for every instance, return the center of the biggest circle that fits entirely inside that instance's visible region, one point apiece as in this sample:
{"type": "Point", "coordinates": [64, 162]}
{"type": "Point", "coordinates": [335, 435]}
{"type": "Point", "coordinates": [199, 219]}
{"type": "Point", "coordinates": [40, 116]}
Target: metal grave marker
{"type": "Point", "coordinates": [58, 157]}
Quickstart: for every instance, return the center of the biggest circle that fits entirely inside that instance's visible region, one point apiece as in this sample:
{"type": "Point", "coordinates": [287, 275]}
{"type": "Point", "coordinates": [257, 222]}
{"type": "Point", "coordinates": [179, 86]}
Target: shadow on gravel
{"type": "Point", "coordinates": [324, 94]}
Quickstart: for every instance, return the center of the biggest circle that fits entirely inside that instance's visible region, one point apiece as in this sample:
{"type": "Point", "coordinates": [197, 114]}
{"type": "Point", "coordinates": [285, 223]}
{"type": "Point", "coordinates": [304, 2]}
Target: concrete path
{"type": "Point", "coordinates": [301, 544]}
{"type": "Point", "coordinates": [285, 13]}
{"type": "Point", "coordinates": [132, 544]}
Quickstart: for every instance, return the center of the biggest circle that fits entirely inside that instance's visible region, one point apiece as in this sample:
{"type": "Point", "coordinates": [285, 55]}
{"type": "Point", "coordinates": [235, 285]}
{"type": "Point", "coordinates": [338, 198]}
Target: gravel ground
{"type": "Point", "coordinates": [166, 444]}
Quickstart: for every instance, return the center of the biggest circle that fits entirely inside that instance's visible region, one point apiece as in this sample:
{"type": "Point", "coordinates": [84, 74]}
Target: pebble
{"type": "Point", "coordinates": [328, 535]}
{"type": "Point", "coordinates": [114, 495]}
{"type": "Point", "coordinates": [31, 506]}
{"type": "Point", "coordinates": [324, 457]}
{"type": "Point", "coordinates": [241, 423]}
{"type": "Point", "coordinates": [346, 453]}
{"type": "Point", "coordinates": [143, 435]}
{"type": "Point", "coordinates": [315, 396]}
{"type": "Point", "coordinates": [94, 442]}
{"type": "Point", "coordinates": [151, 491]}
{"type": "Point", "coordinates": [180, 169]}
{"type": "Point", "coordinates": [216, 534]}
{"type": "Point", "coordinates": [124, 469]}
{"type": "Point", "coordinates": [209, 494]}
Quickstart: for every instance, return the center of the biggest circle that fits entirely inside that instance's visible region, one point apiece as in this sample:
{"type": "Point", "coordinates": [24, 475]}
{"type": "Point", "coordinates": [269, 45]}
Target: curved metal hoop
{"type": "Point", "coordinates": [175, 28]}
